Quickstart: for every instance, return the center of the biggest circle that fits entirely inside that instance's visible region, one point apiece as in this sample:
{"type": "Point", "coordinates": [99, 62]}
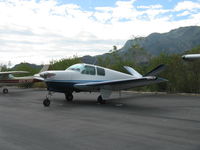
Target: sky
{"type": "Point", "coordinates": [39, 31]}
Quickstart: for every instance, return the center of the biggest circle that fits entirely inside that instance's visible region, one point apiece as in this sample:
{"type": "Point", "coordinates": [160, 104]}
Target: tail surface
{"type": "Point", "coordinates": [156, 70]}
{"type": "Point", "coordinates": [153, 72]}
{"type": "Point", "coordinates": [133, 72]}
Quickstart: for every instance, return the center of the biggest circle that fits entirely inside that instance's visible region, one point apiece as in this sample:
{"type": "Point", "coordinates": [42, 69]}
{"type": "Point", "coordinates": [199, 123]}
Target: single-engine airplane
{"type": "Point", "coordinates": [191, 56]}
{"type": "Point", "coordinates": [91, 78]}
{"type": "Point", "coordinates": [8, 79]}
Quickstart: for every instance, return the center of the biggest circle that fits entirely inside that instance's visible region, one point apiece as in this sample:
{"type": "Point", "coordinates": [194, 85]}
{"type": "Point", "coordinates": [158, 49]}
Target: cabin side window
{"type": "Point", "coordinates": [6, 76]}
{"type": "Point", "coordinates": [100, 71]}
{"type": "Point", "coordinates": [89, 70]}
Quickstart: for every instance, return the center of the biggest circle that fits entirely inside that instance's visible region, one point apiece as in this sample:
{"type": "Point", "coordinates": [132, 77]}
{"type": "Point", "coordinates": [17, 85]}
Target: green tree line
{"type": "Point", "coordinates": [183, 76]}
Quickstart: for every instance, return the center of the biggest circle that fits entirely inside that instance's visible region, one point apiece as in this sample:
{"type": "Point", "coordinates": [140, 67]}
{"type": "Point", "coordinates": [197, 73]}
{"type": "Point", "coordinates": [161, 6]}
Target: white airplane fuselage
{"type": "Point", "coordinates": [61, 81]}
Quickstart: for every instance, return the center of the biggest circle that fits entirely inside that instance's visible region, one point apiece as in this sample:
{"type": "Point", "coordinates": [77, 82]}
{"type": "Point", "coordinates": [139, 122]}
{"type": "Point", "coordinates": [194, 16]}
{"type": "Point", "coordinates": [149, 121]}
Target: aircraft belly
{"type": "Point", "coordinates": [59, 86]}
{"type": "Point", "coordinates": [62, 86]}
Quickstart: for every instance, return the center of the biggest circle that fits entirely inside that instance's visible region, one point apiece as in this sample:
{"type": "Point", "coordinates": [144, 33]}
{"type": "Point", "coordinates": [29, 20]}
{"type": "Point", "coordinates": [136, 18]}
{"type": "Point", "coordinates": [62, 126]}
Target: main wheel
{"type": "Point", "coordinates": [69, 97]}
{"type": "Point", "coordinates": [5, 91]}
{"type": "Point", "coordinates": [101, 100]}
{"type": "Point", "coordinates": [46, 102]}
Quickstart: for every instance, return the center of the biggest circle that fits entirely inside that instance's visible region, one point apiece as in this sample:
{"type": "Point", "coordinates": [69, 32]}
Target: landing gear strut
{"type": "Point", "coordinates": [5, 91]}
{"type": "Point", "coordinates": [69, 97]}
{"type": "Point", "coordinates": [101, 100]}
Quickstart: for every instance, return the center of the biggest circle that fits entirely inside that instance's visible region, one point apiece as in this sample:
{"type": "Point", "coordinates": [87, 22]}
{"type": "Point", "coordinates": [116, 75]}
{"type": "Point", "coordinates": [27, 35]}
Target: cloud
{"type": "Point", "coordinates": [185, 13]}
{"type": "Point", "coordinates": [150, 7]}
{"type": "Point", "coordinates": [187, 5]}
{"type": "Point", "coordinates": [39, 31]}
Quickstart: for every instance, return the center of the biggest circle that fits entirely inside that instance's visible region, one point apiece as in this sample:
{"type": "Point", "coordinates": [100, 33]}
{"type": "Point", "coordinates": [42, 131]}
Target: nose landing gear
{"type": "Point", "coordinates": [46, 101]}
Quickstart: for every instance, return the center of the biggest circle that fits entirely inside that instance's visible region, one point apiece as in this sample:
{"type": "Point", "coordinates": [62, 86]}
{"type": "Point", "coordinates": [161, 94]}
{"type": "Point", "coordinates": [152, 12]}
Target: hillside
{"type": "Point", "coordinates": [174, 42]}
{"type": "Point", "coordinates": [34, 66]}
{"type": "Point", "coordinates": [141, 50]}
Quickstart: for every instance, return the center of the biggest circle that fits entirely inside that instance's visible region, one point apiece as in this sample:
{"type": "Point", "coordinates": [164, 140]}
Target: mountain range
{"type": "Point", "coordinates": [142, 49]}
{"type": "Point", "coordinates": [176, 41]}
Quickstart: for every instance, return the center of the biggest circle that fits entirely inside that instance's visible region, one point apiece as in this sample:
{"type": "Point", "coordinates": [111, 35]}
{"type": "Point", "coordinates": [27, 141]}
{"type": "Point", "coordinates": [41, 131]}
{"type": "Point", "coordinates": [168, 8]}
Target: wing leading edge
{"type": "Point", "coordinates": [13, 72]}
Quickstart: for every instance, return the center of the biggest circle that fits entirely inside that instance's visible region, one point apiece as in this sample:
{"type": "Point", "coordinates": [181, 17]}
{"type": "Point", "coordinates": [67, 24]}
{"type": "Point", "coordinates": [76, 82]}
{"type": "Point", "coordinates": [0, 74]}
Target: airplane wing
{"type": "Point", "coordinates": [119, 84]}
{"type": "Point", "coordinates": [13, 72]}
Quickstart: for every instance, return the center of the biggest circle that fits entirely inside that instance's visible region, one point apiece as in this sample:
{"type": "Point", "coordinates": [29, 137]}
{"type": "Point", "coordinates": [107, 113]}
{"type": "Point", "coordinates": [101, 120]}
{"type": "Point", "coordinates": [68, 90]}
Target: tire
{"type": "Point", "coordinates": [69, 97]}
{"type": "Point", "coordinates": [5, 91]}
{"type": "Point", "coordinates": [46, 102]}
{"type": "Point", "coordinates": [101, 100]}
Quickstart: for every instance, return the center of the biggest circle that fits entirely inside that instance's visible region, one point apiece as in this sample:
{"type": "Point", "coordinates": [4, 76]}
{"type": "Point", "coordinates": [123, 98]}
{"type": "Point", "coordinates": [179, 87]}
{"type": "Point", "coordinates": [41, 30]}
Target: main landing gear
{"type": "Point", "coordinates": [68, 96]}
{"type": "Point", "coordinates": [5, 91]}
{"type": "Point", "coordinates": [101, 100]}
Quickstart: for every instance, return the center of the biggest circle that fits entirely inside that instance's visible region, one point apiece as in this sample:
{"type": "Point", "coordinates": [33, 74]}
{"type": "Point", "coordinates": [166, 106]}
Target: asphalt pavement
{"type": "Point", "coordinates": [132, 121]}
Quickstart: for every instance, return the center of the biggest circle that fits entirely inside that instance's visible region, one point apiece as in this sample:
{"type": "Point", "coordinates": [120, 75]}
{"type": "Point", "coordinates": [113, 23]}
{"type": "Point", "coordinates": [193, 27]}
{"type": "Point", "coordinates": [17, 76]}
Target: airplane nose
{"type": "Point", "coordinates": [183, 57]}
{"type": "Point", "coordinates": [42, 75]}
{"type": "Point", "coordinates": [47, 75]}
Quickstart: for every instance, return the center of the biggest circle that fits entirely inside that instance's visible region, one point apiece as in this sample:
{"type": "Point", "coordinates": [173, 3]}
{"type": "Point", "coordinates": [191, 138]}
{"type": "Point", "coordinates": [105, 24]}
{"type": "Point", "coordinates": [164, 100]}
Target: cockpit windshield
{"type": "Point", "coordinates": [83, 69]}
{"type": "Point", "coordinates": [76, 67]}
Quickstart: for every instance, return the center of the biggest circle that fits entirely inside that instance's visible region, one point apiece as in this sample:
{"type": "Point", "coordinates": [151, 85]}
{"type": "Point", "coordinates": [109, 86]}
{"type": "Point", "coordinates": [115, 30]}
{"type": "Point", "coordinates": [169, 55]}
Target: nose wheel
{"type": "Point", "coordinates": [46, 102]}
